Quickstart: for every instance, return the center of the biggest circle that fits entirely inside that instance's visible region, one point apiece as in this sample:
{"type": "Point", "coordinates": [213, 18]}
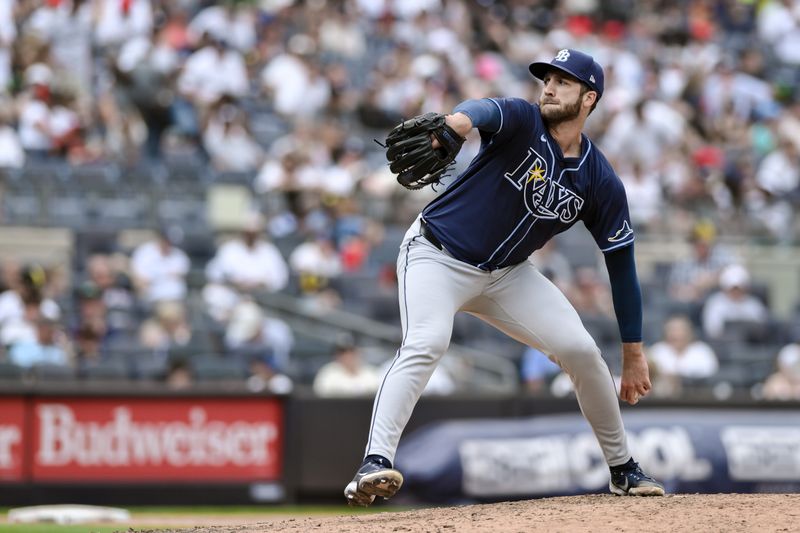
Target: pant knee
{"type": "Point", "coordinates": [580, 352]}
{"type": "Point", "coordinates": [424, 349]}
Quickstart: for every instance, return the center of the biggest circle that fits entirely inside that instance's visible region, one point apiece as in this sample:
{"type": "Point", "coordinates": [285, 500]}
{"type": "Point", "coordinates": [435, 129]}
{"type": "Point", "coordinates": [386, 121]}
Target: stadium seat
{"type": "Point", "coordinates": [148, 365]}
{"type": "Point", "coordinates": [652, 326]}
{"type": "Point", "coordinates": [743, 375]}
{"type": "Point", "coordinates": [611, 353]}
{"type": "Point", "coordinates": [113, 369]}
{"type": "Point", "coordinates": [24, 208]}
{"type": "Point", "coordinates": [11, 372]}
{"type": "Point", "coordinates": [287, 244]}
{"type": "Point", "coordinates": [746, 365]}
{"type": "Point", "coordinates": [214, 368]}
{"type": "Point", "coordinates": [53, 373]}
{"type": "Point", "coordinates": [604, 330]}
{"type": "Point", "coordinates": [306, 346]}
{"type": "Point", "coordinates": [235, 178]}
{"type": "Point", "coordinates": [746, 331]}
{"type": "Point", "coordinates": [186, 211]}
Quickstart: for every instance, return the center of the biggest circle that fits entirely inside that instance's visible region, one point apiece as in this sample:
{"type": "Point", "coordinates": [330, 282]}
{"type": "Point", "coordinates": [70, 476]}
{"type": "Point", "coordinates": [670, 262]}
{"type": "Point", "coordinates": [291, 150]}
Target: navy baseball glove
{"type": "Point", "coordinates": [411, 154]}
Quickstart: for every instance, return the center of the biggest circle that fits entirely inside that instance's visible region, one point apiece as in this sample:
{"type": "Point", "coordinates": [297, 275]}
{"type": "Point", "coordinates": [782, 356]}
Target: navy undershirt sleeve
{"type": "Point", "coordinates": [484, 114]}
{"type": "Point", "coordinates": [626, 292]}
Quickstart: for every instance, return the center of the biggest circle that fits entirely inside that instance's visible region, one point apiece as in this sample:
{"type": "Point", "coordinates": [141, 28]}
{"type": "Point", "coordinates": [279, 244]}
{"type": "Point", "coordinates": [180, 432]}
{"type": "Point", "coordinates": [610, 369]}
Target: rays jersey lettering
{"type": "Point", "coordinates": [520, 191]}
{"type": "Point", "coordinates": [544, 198]}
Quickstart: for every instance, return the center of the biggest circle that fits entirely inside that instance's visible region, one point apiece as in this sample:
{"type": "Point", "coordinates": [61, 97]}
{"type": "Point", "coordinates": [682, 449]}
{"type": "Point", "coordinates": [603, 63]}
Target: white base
{"type": "Point", "coordinates": [67, 514]}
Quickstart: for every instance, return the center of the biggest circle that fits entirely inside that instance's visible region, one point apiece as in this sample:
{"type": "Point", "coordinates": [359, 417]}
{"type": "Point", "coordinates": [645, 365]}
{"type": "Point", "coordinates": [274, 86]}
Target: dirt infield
{"type": "Point", "coordinates": [596, 513]}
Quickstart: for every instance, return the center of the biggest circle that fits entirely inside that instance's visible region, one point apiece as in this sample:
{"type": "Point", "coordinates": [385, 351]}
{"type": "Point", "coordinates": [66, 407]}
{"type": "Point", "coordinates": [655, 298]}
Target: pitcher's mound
{"type": "Point", "coordinates": [597, 513]}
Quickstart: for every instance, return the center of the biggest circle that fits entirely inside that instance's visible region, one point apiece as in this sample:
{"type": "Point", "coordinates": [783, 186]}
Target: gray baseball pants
{"type": "Point", "coordinates": [519, 301]}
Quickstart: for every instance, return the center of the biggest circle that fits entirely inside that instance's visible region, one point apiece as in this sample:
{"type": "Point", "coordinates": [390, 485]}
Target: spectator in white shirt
{"type": "Point", "coordinates": [120, 20]}
{"type": "Point", "coordinates": [25, 291]}
{"type": "Point", "coordinates": [233, 21]}
{"type": "Point", "coordinates": [679, 355]}
{"type": "Point", "coordinates": [779, 172]}
{"type": "Point", "coordinates": [250, 262]}
{"type": "Point", "coordinates": [167, 327]}
{"type": "Point", "coordinates": [35, 111]}
{"type": "Point", "coordinates": [298, 88]}
{"type": "Point", "coordinates": [242, 266]}
{"type": "Point", "coordinates": [65, 127]}
{"type": "Point", "coordinates": [348, 167]}
{"type": "Point", "coordinates": [784, 383]}
{"type": "Point", "coordinates": [732, 303]}
{"type": "Point", "coordinates": [789, 123]}
{"type": "Point", "coordinates": [228, 141]}
{"type": "Point", "coordinates": [12, 155]}
{"type": "Point", "coordinates": [292, 172]}
{"type": "Point", "coordinates": [66, 26]}
{"type": "Point", "coordinates": [145, 69]}
{"type": "Point", "coordinates": [402, 9]}
{"type": "Point", "coordinates": [159, 267]}
{"type": "Point", "coordinates": [342, 36]}
{"type": "Point", "coordinates": [47, 124]}
{"type": "Point", "coordinates": [285, 77]}
{"type": "Point", "coordinates": [316, 263]}
{"type": "Point", "coordinates": [779, 24]}
{"type": "Point", "coordinates": [776, 19]}
{"type": "Point", "coordinates": [213, 71]}
{"type": "Point", "coordinates": [252, 334]}
{"type": "Point", "coordinates": [644, 186]}
{"type": "Point", "coordinates": [316, 257]}
{"type": "Point", "coordinates": [50, 345]}
{"type": "Point", "coordinates": [8, 33]}
{"type": "Point", "coordinates": [728, 88]}
{"type": "Point", "coordinates": [346, 375]}
{"type": "Point", "coordinates": [21, 328]}
{"type": "Point", "coordinates": [640, 134]}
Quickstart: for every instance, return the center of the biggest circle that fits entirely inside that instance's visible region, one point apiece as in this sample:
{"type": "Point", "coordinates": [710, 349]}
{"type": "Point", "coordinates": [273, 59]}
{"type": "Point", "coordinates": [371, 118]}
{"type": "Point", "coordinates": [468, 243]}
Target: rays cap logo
{"type": "Point", "coordinates": [575, 63]}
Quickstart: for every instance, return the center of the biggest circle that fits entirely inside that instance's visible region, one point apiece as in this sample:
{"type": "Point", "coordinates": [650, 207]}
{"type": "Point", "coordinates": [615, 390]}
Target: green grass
{"type": "Point", "coordinates": [53, 528]}
{"type": "Point", "coordinates": [299, 510]}
{"type": "Point", "coordinates": [295, 510]}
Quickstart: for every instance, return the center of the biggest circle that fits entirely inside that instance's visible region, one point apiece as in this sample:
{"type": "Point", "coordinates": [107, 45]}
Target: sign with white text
{"type": "Point", "coordinates": [154, 440]}
{"type": "Point", "coordinates": [688, 450]}
{"type": "Point", "coordinates": [12, 425]}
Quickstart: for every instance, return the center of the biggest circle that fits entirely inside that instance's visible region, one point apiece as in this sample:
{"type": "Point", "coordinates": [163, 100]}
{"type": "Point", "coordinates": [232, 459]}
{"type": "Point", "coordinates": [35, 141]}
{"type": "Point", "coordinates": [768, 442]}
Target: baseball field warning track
{"type": "Point", "coordinates": [597, 513]}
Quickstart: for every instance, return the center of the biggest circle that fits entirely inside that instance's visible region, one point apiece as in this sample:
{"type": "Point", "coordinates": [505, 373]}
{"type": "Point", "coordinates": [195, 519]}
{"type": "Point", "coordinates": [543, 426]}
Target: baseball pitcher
{"type": "Point", "coordinates": [535, 176]}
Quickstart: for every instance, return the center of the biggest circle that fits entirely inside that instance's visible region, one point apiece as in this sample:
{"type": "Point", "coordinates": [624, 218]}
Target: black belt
{"type": "Point", "coordinates": [428, 234]}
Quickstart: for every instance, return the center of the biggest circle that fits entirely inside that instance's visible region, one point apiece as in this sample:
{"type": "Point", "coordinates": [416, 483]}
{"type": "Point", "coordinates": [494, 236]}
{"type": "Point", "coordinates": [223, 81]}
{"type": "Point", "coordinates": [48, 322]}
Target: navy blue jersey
{"type": "Point", "coordinates": [520, 191]}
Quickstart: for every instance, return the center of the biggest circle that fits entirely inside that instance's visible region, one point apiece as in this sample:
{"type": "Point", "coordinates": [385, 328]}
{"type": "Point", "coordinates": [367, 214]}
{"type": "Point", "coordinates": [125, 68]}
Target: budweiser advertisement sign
{"type": "Point", "coordinates": [12, 425]}
{"type": "Point", "coordinates": [145, 439]}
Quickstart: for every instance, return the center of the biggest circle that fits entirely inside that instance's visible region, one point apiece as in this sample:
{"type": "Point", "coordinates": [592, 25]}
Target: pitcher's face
{"type": "Point", "coordinates": [562, 98]}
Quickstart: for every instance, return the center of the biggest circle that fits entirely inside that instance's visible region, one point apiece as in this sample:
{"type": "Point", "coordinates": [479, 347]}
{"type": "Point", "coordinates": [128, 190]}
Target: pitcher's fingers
{"type": "Point", "coordinates": [626, 394]}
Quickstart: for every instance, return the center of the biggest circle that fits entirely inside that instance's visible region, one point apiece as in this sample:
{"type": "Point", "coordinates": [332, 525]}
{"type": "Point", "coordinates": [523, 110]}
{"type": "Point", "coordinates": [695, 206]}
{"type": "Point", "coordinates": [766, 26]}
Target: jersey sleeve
{"type": "Point", "coordinates": [608, 219]}
{"type": "Point", "coordinates": [514, 114]}
{"type": "Point", "coordinates": [484, 114]}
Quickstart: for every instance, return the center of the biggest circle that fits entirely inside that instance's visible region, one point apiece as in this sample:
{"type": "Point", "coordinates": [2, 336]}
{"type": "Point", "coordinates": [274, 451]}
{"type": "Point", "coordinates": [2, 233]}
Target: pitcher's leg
{"type": "Point", "coordinates": [431, 288]}
{"type": "Point", "coordinates": [528, 307]}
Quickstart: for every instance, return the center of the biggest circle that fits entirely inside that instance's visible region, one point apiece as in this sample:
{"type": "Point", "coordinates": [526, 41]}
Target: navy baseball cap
{"type": "Point", "coordinates": [576, 64]}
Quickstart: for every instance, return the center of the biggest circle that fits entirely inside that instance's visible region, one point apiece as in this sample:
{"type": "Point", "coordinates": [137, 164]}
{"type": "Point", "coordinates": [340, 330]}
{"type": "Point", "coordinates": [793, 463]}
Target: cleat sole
{"type": "Point", "coordinates": [637, 491]}
{"type": "Point", "coordinates": [646, 491]}
{"type": "Point", "coordinates": [384, 484]}
{"type": "Point", "coordinates": [356, 498]}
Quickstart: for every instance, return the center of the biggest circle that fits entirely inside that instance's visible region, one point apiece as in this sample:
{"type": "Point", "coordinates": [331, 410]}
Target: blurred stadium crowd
{"type": "Point", "coordinates": [119, 115]}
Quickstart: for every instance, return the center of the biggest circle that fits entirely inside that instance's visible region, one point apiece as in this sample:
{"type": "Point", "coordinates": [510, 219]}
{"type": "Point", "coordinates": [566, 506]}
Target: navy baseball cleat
{"type": "Point", "coordinates": [374, 478]}
{"type": "Point", "coordinates": [629, 480]}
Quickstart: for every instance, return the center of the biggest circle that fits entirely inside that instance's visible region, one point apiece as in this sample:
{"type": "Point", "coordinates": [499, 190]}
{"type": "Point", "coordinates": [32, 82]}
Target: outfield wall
{"type": "Point", "coordinates": [128, 445]}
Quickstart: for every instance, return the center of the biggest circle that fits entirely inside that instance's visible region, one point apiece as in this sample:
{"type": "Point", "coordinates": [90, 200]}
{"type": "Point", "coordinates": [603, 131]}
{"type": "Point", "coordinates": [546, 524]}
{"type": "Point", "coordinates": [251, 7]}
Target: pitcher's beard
{"type": "Point", "coordinates": [553, 116]}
